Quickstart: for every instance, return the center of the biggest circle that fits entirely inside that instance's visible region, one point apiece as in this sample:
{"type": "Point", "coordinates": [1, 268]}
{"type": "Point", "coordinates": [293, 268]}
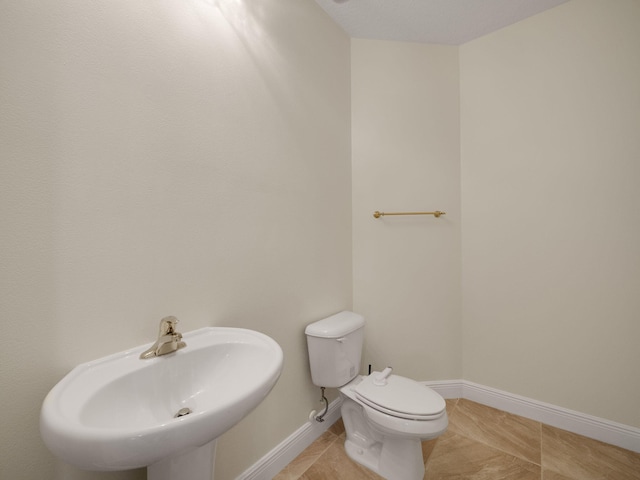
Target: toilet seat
{"type": "Point", "coordinates": [400, 397]}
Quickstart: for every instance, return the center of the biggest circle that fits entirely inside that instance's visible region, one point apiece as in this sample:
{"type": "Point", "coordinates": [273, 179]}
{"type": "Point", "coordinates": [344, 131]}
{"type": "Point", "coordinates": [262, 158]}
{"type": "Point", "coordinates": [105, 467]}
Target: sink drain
{"type": "Point", "coordinates": [182, 412]}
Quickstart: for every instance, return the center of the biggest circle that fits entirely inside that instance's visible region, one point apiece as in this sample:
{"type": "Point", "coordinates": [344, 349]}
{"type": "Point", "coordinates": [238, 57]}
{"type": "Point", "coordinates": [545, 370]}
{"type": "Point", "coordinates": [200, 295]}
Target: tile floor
{"type": "Point", "coordinates": [481, 443]}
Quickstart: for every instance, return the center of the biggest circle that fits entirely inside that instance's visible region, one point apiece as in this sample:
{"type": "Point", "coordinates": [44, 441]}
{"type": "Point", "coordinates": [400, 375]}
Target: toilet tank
{"type": "Point", "coordinates": [335, 349]}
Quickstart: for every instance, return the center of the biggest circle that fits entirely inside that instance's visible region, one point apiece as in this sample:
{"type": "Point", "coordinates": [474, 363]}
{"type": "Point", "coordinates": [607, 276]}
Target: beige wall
{"type": "Point", "coordinates": [406, 270]}
{"type": "Point", "coordinates": [162, 157]}
{"type": "Point", "coordinates": [551, 227]}
{"type": "Point", "coordinates": [548, 122]}
{"type": "Point", "coordinates": [192, 158]}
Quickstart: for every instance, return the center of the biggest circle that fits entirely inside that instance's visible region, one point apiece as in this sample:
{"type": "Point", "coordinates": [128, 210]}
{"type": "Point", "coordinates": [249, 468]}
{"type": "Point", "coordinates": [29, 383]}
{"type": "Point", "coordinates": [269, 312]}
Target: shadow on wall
{"type": "Point", "coordinates": [257, 27]}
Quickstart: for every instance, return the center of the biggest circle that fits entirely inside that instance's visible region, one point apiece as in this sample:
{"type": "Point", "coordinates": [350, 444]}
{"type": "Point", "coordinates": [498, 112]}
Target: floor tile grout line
{"type": "Point", "coordinates": [541, 452]}
{"type": "Point", "coordinates": [493, 447]}
{"type": "Point", "coordinates": [431, 454]}
{"type": "Point", "coordinates": [540, 431]}
{"type": "Point", "coordinates": [539, 445]}
{"type": "Point", "coordinates": [320, 455]}
{"type": "Point", "coordinates": [453, 409]}
{"type": "Point", "coordinates": [540, 424]}
{"type": "Point", "coordinates": [485, 444]}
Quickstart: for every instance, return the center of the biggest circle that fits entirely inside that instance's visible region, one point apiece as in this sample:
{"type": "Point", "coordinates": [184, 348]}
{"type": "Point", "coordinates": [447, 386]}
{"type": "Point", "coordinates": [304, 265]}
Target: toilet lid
{"type": "Point", "coordinates": [401, 397]}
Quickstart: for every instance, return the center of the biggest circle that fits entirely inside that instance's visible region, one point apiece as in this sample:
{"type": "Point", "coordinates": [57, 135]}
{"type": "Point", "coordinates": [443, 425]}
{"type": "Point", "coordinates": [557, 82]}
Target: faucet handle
{"type": "Point", "coordinates": [168, 325]}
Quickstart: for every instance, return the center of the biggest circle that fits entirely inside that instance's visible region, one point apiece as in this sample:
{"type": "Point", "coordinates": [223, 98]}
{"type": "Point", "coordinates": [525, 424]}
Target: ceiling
{"type": "Point", "coordinates": [448, 22]}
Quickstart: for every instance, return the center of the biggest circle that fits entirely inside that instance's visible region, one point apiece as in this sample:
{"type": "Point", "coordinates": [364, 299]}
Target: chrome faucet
{"type": "Point", "coordinates": [169, 340]}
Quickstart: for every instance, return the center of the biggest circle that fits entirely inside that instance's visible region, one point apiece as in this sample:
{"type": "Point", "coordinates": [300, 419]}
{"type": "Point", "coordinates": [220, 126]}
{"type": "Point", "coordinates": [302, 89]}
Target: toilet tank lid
{"type": "Point", "coordinates": [335, 326]}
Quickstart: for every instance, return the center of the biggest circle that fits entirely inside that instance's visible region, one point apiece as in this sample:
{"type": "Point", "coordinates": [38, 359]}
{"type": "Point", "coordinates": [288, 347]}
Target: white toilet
{"type": "Point", "coordinates": [385, 416]}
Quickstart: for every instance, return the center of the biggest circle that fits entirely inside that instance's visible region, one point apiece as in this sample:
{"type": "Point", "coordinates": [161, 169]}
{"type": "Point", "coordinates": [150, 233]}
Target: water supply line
{"type": "Point", "coordinates": [320, 418]}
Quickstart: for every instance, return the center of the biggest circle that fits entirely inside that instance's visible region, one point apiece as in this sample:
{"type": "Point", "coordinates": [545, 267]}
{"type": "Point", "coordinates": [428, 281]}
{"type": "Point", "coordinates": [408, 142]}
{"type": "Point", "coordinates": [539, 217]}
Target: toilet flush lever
{"type": "Point", "coordinates": [381, 378]}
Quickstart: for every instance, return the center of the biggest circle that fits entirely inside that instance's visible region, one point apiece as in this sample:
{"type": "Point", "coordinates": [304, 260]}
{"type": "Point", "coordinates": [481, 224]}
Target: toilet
{"type": "Point", "coordinates": [386, 416]}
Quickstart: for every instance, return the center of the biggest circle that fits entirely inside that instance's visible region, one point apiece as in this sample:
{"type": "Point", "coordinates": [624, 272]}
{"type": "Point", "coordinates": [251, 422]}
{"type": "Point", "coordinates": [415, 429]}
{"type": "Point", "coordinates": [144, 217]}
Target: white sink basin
{"type": "Point", "coordinates": [117, 413]}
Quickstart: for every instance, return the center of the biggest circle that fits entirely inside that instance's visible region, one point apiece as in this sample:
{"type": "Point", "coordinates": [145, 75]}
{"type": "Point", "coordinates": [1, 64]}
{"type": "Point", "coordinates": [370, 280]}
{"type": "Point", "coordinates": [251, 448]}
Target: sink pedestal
{"type": "Point", "coordinates": [196, 464]}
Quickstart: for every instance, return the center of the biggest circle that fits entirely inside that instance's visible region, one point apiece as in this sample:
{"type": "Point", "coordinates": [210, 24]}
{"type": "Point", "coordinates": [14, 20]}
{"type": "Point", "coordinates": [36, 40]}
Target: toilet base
{"type": "Point", "coordinates": [367, 457]}
{"type": "Point", "coordinates": [393, 457]}
{"type": "Point", "coordinates": [400, 459]}
{"type": "Point", "coordinates": [390, 448]}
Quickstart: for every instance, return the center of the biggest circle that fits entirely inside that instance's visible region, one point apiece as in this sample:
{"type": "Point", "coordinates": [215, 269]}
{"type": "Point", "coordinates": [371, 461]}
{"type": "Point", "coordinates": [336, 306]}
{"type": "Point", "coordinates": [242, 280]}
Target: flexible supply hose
{"type": "Point", "coordinates": [320, 418]}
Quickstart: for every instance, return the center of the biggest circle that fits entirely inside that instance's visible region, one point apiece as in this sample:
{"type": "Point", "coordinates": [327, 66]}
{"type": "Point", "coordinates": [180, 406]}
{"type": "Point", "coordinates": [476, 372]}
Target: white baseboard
{"type": "Point", "coordinates": [606, 431]}
{"type": "Point", "coordinates": [447, 388]}
{"type": "Point", "coordinates": [273, 462]}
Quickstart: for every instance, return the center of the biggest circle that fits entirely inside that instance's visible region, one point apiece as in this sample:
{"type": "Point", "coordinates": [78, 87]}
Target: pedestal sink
{"type": "Point", "coordinates": [121, 412]}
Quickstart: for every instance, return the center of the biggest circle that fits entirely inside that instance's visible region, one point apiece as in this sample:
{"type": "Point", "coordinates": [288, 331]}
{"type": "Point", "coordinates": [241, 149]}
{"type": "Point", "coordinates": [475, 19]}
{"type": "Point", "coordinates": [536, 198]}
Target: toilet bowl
{"type": "Point", "coordinates": [386, 425]}
{"type": "Point", "coordinates": [386, 416]}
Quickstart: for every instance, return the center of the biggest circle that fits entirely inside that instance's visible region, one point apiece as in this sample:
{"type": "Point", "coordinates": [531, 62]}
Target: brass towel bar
{"type": "Point", "coordinates": [436, 214]}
